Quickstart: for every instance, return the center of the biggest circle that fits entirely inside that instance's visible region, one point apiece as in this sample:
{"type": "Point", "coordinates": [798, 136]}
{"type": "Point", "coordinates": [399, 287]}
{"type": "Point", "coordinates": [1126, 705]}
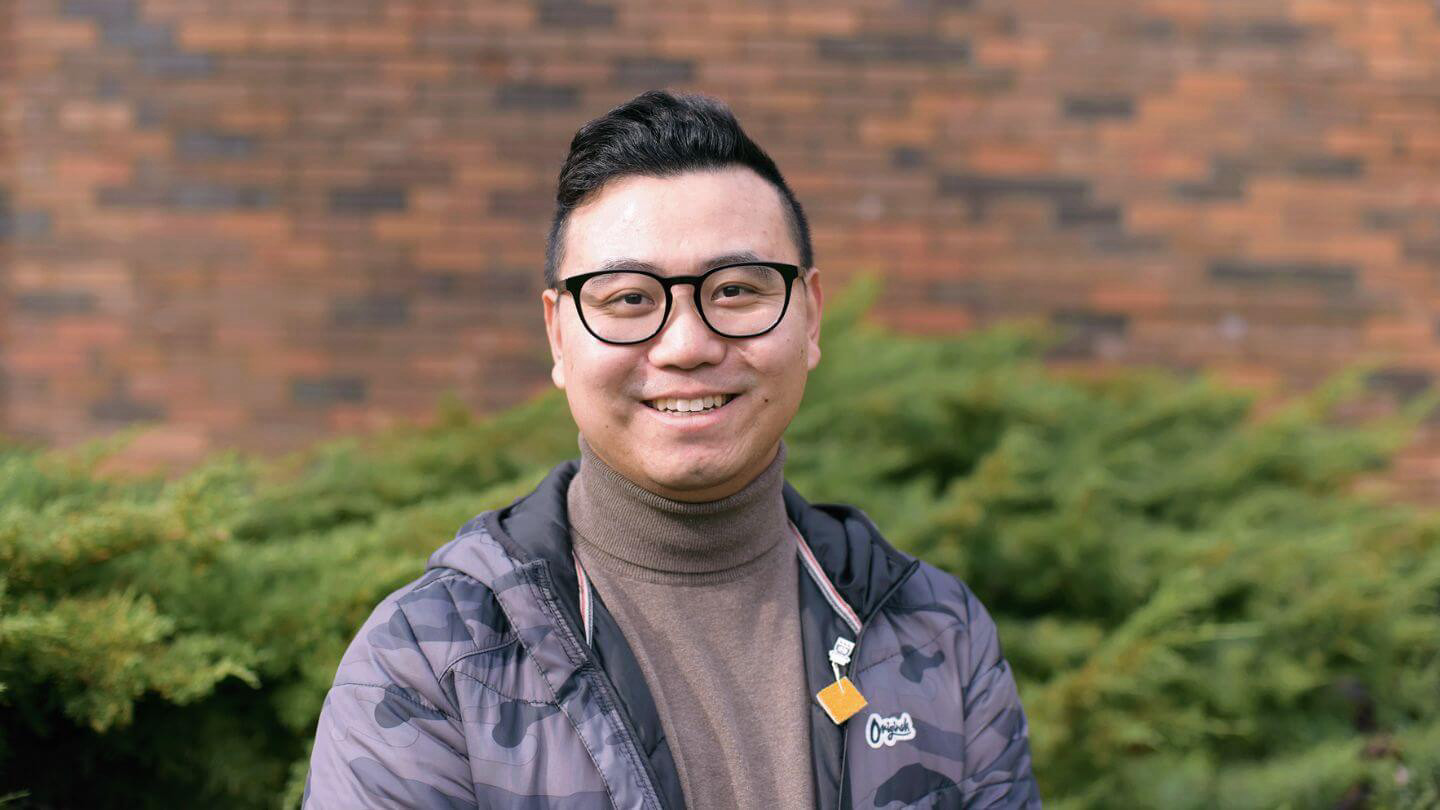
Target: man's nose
{"type": "Point", "coordinates": [685, 341]}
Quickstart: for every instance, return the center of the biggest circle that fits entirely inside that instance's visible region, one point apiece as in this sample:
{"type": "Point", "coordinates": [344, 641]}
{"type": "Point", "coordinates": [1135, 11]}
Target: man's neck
{"type": "Point", "coordinates": [648, 534]}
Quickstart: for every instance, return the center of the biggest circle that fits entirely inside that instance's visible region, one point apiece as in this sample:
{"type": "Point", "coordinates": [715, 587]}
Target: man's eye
{"type": "Point", "coordinates": [628, 299]}
{"type": "Point", "coordinates": [732, 291]}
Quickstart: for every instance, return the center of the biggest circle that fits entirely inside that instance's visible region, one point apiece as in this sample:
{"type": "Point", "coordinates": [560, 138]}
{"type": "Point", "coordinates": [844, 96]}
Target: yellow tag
{"type": "Point", "coordinates": [841, 700]}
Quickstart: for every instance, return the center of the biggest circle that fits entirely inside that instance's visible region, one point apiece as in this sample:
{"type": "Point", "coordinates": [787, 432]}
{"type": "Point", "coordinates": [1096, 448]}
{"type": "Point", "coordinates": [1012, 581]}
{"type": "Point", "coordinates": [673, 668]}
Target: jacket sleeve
{"type": "Point", "coordinates": [997, 770]}
{"type": "Point", "coordinates": [389, 735]}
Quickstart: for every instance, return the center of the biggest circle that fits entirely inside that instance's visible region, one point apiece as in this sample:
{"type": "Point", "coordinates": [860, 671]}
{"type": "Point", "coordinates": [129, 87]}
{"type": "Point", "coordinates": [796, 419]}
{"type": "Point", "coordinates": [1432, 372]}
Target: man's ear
{"type": "Point", "coordinates": [814, 308]}
{"type": "Point", "coordinates": [551, 301]}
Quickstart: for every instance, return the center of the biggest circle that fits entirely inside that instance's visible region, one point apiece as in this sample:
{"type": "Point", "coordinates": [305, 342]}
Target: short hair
{"type": "Point", "coordinates": [661, 134]}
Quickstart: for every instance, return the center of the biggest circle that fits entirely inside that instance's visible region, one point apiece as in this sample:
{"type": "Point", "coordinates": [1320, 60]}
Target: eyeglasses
{"type": "Point", "coordinates": [631, 306]}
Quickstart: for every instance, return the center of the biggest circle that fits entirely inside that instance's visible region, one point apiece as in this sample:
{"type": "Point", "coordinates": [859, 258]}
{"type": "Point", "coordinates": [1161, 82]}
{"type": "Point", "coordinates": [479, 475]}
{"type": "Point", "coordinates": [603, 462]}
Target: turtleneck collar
{"type": "Point", "coordinates": [640, 532]}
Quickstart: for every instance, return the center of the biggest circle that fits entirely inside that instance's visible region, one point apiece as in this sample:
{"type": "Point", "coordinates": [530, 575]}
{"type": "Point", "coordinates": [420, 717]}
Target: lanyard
{"type": "Point", "coordinates": [807, 557]}
{"type": "Point", "coordinates": [841, 699]}
{"type": "Point", "coordinates": [587, 600]}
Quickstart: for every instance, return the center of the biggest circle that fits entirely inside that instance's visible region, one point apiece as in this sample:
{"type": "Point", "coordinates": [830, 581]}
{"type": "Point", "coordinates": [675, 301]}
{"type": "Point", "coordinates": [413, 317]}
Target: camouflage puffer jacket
{"type": "Point", "coordinates": [473, 686]}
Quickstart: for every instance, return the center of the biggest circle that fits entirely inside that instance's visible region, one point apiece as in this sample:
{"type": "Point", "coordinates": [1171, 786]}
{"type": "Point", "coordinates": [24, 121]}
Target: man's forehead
{"type": "Point", "coordinates": [679, 224]}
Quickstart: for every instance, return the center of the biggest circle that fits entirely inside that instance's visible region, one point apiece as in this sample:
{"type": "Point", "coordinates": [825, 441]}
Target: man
{"type": "Point", "coordinates": [666, 623]}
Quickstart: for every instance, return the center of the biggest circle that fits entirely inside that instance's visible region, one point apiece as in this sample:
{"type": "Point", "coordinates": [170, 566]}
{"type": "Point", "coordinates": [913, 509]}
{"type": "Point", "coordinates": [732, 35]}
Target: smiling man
{"type": "Point", "coordinates": [666, 623]}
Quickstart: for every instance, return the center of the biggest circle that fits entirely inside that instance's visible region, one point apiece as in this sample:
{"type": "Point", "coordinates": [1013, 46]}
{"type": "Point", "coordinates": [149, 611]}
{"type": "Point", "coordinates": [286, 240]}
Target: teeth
{"type": "Point", "coordinates": [690, 405]}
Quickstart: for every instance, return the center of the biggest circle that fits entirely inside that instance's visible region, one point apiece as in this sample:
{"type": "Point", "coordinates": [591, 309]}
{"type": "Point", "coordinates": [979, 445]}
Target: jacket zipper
{"type": "Point", "coordinates": [855, 659]}
{"type": "Point", "coordinates": [603, 686]}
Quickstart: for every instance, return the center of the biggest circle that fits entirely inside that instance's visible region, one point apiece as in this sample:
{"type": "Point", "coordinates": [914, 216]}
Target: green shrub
{"type": "Point", "coordinates": [1198, 613]}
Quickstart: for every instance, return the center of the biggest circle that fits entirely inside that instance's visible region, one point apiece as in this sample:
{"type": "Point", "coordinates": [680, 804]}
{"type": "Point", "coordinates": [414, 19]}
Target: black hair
{"type": "Point", "coordinates": [661, 134]}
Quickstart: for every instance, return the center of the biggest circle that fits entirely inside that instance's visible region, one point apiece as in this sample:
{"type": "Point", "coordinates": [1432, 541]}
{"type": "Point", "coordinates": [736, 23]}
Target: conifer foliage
{"type": "Point", "coordinates": [1197, 611]}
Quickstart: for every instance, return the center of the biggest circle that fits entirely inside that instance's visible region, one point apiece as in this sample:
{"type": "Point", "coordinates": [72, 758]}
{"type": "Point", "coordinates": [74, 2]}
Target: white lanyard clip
{"type": "Point", "coordinates": [840, 657]}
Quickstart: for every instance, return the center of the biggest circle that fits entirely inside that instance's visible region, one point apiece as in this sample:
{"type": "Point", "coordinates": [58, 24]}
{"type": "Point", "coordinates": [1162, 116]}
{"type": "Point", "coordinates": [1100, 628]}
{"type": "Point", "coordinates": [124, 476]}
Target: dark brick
{"type": "Point", "coordinates": [1227, 182]}
{"type": "Point", "coordinates": [509, 284]}
{"type": "Point", "coordinates": [522, 204]}
{"type": "Point", "coordinates": [1382, 219]}
{"type": "Point", "coordinates": [1276, 32]}
{"type": "Point", "coordinates": [1069, 214]}
{"type": "Point", "coordinates": [216, 197]}
{"type": "Point", "coordinates": [55, 303]}
{"type": "Point", "coordinates": [969, 295]}
{"type": "Point", "coordinates": [1154, 29]}
{"type": "Point", "coordinates": [439, 284]}
{"type": "Point", "coordinates": [1117, 242]}
{"type": "Point", "coordinates": [1328, 166]}
{"type": "Point", "coordinates": [908, 157]}
{"type": "Point", "coordinates": [415, 171]}
{"type": "Point", "coordinates": [110, 87]}
{"type": "Point", "coordinates": [1328, 277]}
{"type": "Point", "coordinates": [368, 199]}
{"type": "Point", "coordinates": [370, 310]}
{"type": "Point", "coordinates": [326, 390]}
{"type": "Point", "coordinates": [1090, 108]}
{"type": "Point", "coordinates": [1201, 192]}
{"type": "Point", "coordinates": [1082, 331]}
{"type": "Point", "coordinates": [524, 372]}
{"type": "Point", "coordinates": [339, 11]}
{"type": "Point", "coordinates": [651, 72]}
{"type": "Point", "coordinates": [492, 281]}
{"type": "Point", "coordinates": [981, 190]}
{"type": "Point", "coordinates": [176, 64]}
{"type": "Point", "coordinates": [210, 145]}
{"type": "Point", "coordinates": [101, 10]}
{"type": "Point", "coordinates": [1422, 250]}
{"type": "Point", "coordinates": [148, 113]}
{"type": "Point", "coordinates": [575, 14]}
{"type": "Point", "coordinates": [985, 185]}
{"type": "Point", "coordinates": [1109, 323]}
{"type": "Point", "coordinates": [26, 224]}
{"type": "Point", "coordinates": [1258, 32]}
{"type": "Point", "coordinates": [120, 407]}
{"type": "Point", "coordinates": [128, 196]}
{"type": "Point", "coordinates": [992, 81]}
{"type": "Point", "coordinates": [1403, 383]}
{"type": "Point", "coordinates": [894, 48]}
{"type": "Point", "coordinates": [532, 96]}
{"type": "Point", "coordinates": [142, 36]}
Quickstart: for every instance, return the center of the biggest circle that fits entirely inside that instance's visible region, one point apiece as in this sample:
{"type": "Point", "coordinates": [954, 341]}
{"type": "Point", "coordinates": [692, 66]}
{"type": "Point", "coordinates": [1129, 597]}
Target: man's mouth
{"type": "Point", "coordinates": [696, 405]}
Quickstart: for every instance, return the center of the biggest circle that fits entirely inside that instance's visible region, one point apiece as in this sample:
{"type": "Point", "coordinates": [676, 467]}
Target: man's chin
{"type": "Point", "coordinates": [695, 483]}
{"type": "Point", "coordinates": [698, 477]}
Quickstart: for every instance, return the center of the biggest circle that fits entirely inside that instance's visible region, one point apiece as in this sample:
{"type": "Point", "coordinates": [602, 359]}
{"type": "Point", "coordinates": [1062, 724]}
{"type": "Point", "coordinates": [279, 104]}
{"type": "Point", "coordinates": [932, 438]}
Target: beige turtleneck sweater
{"type": "Point", "coordinates": [707, 596]}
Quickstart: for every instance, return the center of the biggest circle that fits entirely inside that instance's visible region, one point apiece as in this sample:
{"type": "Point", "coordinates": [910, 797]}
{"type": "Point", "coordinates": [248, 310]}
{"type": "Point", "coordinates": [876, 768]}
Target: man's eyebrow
{"type": "Point", "coordinates": [618, 265]}
{"type": "Point", "coordinates": [731, 258]}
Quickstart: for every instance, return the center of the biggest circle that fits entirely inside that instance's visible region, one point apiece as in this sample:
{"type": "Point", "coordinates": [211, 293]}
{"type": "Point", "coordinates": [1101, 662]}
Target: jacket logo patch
{"type": "Point", "coordinates": [889, 730]}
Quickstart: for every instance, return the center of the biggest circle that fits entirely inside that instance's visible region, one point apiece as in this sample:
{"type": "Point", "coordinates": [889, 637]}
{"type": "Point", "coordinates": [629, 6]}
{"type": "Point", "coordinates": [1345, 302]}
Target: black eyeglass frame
{"type": "Point", "coordinates": [789, 272]}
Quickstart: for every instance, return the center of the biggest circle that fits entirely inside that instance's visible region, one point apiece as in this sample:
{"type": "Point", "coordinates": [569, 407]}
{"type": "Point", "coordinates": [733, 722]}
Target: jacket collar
{"type": "Point", "coordinates": [859, 562]}
{"type": "Point", "coordinates": [861, 566]}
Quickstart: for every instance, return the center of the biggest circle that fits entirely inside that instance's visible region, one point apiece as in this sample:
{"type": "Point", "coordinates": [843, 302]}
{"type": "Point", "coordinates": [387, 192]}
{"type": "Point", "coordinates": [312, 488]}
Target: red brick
{"type": "Point", "coordinates": [1211, 167]}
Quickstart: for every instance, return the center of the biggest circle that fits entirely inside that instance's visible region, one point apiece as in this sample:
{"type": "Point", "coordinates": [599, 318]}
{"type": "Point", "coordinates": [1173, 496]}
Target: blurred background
{"type": "Point", "coordinates": [258, 223]}
{"type": "Point", "coordinates": [1133, 314]}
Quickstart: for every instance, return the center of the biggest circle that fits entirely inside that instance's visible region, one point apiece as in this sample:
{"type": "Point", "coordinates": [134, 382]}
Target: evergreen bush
{"type": "Point", "coordinates": [1198, 611]}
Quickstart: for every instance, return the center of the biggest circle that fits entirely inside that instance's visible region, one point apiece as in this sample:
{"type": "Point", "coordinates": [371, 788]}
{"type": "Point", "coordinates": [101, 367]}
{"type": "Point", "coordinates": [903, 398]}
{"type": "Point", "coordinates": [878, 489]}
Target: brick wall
{"type": "Point", "coordinates": [262, 222]}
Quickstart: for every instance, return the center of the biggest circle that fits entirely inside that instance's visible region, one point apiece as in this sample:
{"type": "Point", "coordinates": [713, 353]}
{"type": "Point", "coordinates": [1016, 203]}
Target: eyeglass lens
{"type": "Point", "coordinates": [736, 302]}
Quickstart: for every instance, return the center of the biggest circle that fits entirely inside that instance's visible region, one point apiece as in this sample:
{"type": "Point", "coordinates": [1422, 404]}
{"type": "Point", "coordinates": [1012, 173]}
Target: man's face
{"type": "Point", "coordinates": [681, 225]}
